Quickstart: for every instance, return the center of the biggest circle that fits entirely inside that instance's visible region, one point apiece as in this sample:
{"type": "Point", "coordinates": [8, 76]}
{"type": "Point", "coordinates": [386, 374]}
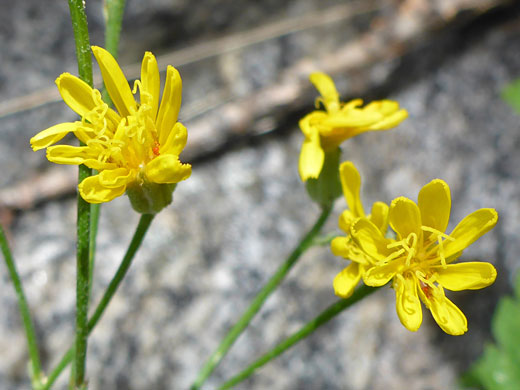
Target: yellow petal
{"type": "Point", "coordinates": [466, 276]}
{"type": "Point", "coordinates": [339, 246]}
{"type": "Point", "coordinates": [346, 219]}
{"type": "Point", "coordinates": [167, 169]}
{"type": "Point", "coordinates": [382, 274]}
{"type": "Point", "coordinates": [115, 178]}
{"type": "Point", "coordinates": [71, 155]}
{"type": "Point", "coordinates": [312, 157]}
{"type": "Point", "coordinates": [390, 121]}
{"type": "Point", "coordinates": [379, 216]}
{"type": "Point", "coordinates": [391, 116]}
{"type": "Point", "coordinates": [369, 239]}
{"type": "Point", "coordinates": [53, 134]}
{"type": "Point", "coordinates": [351, 184]}
{"type": "Point", "coordinates": [383, 107]}
{"type": "Point", "coordinates": [308, 123]}
{"type": "Point", "coordinates": [352, 105]}
{"type": "Point", "coordinates": [82, 98]}
{"type": "Point", "coordinates": [470, 229]}
{"type": "Point", "coordinates": [352, 119]}
{"type": "Point", "coordinates": [150, 83]}
{"type": "Point", "coordinates": [346, 281]}
{"type": "Point", "coordinates": [99, 165]}
{"type": "Point", "coordinates": [176, 140]}
{"type": "Point", "coordinates": [405, 217]}
{"type": "Point", "coordinates": [407, 303]}
{"type": "Point", "coordinates": [327, 90]}
{"type": "Point", "coordinates": [446, 314]}
{"type": "Point", "coordinates": [115, 82]}
{"type": "Point", "coordinates": [76, 93]}
{"type": "Point", "coordinates": [435, 204]}
{"type": "Point", "coordinates": [170, 104]}
{"type": "Point", "coordinates": [93, 191]}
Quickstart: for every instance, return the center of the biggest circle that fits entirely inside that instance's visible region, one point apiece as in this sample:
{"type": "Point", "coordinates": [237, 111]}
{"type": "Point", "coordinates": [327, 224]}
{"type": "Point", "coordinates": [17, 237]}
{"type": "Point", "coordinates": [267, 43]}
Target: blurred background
{"type": "Point", "coordinates": [245, 68]}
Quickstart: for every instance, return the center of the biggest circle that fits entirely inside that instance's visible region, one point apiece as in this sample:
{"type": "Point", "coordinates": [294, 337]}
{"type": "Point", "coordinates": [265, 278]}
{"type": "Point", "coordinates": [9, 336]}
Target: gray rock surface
{"type": "Point", "coordinates": [240, 213]}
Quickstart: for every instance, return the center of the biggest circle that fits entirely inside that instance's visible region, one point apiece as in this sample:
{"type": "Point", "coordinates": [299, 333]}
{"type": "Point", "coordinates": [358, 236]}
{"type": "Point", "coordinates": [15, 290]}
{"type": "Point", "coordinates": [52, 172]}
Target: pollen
{"type": "Point", "coordinates": [155, 149]}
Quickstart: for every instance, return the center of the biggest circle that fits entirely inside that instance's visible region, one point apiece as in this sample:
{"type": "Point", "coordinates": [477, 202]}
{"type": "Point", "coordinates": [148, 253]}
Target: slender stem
{"type": "Point", "coordinates": [114, 18]}
{"type": "Point", "coordinates": [79, 25]}
{"type": "Point", "coordinates": [137, 239]}
{"type": "Point", "coordinates": [142, 228]}
{"type": "Point", "coordinates": [81, 37]}
{"type": "Point", "coordinates": [95, 210]}
{"type": "Point", "coordinates": [259, 300]}
{"type": "Point", "coordinates": [30, 334]}
{"type": "Point", "coordinates": [324, 317]}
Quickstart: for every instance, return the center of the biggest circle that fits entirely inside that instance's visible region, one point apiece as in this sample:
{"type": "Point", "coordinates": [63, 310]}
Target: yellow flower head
{"type": "Point", "coordinates": [325, 130]}
{"type": "Point", "coordinates": [420, 260]}
{"type": "Point", "coordinates": [139, 145]}
{"type": "Point", "coordinates": [347, 280]}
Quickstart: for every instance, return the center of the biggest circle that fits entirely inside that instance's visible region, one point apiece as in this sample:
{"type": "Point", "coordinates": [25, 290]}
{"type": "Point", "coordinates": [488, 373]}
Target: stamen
{"type": "Point", "coordinates": [137, 85]}
{"type": "Point", "coordinates": [106, 148]}
{"type": "Point", "coordinates": [96, 116]}
{"type": "Point", "coordinates": [440, 247]}
{"type": "Point", "coordinates": [392, 256]}
{"type": "Point", "coordinates": [145, 97]}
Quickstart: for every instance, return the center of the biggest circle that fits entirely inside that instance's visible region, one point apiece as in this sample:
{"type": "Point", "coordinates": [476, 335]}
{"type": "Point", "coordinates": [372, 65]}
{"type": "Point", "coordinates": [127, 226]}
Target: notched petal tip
{"type": "Point", "coordinates": [167, 169]}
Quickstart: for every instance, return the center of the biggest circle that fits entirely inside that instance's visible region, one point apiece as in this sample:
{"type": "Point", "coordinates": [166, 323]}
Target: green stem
{"type": "Point", "coordinates": [81, 37]}
{"type": "Point", "coordinates": [142, 228]}
{"type": "Point", "coordinates": [324, 317]}
{"type": "Point", "coordinates": [79, 25]}
{"type": "Point", "coordinates": [95, 210]}
{"type": "Point", "coordinates": [259, 300]}
{"type": "Point", "coordinates": [114, 18]}
{"type": "Point", "coordinates": [24, 309]}
{"type": "Point", "coordinates": [82, 292]}
{"type": "Point", "coordinates": [137, 239]}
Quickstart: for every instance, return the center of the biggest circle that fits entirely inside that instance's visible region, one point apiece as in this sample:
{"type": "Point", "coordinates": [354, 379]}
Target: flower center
{"type": "Point", "coordinates": [420, 253]}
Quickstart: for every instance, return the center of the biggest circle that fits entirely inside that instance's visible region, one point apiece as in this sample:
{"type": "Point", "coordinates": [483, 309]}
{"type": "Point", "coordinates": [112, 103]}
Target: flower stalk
{"type": "Point", "coordinates": [83, 259]}
{"type": "Point", "coordinates": [137, 239]}
{"type": "Point", "coordinates": [30, 334]}
{"type": "Point", "coordinates": [226, 343]}
{"type": "Point", "coordinates": [324, 317]}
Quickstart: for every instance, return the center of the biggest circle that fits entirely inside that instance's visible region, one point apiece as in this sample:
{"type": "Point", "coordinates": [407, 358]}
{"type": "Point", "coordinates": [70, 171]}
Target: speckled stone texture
{"type": "Point", "coordinates": [233, 222]}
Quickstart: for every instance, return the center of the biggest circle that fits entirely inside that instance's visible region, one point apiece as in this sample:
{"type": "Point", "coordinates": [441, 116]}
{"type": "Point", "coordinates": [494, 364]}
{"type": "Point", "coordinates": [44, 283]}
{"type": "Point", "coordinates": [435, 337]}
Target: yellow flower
{"type": "Point", "coordinates": [420, 260]}
{"type": "Point", "coordinates": [325, 130]}
{"type": "Point", "coordinates": [136, 147]}
{"type": "Point", "coordinates": [347, 280]}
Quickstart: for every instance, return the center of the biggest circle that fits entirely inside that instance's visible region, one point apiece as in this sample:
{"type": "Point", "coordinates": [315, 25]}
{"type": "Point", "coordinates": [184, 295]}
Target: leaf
{"type": "Point", "coordinates": [505, 327]}
{"type": "Point", "coordinates": [511, 94]}
{"type": "Point", "coordinates": [499, 366]}
{"type": "Point", "coordinates": [496, 371]}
